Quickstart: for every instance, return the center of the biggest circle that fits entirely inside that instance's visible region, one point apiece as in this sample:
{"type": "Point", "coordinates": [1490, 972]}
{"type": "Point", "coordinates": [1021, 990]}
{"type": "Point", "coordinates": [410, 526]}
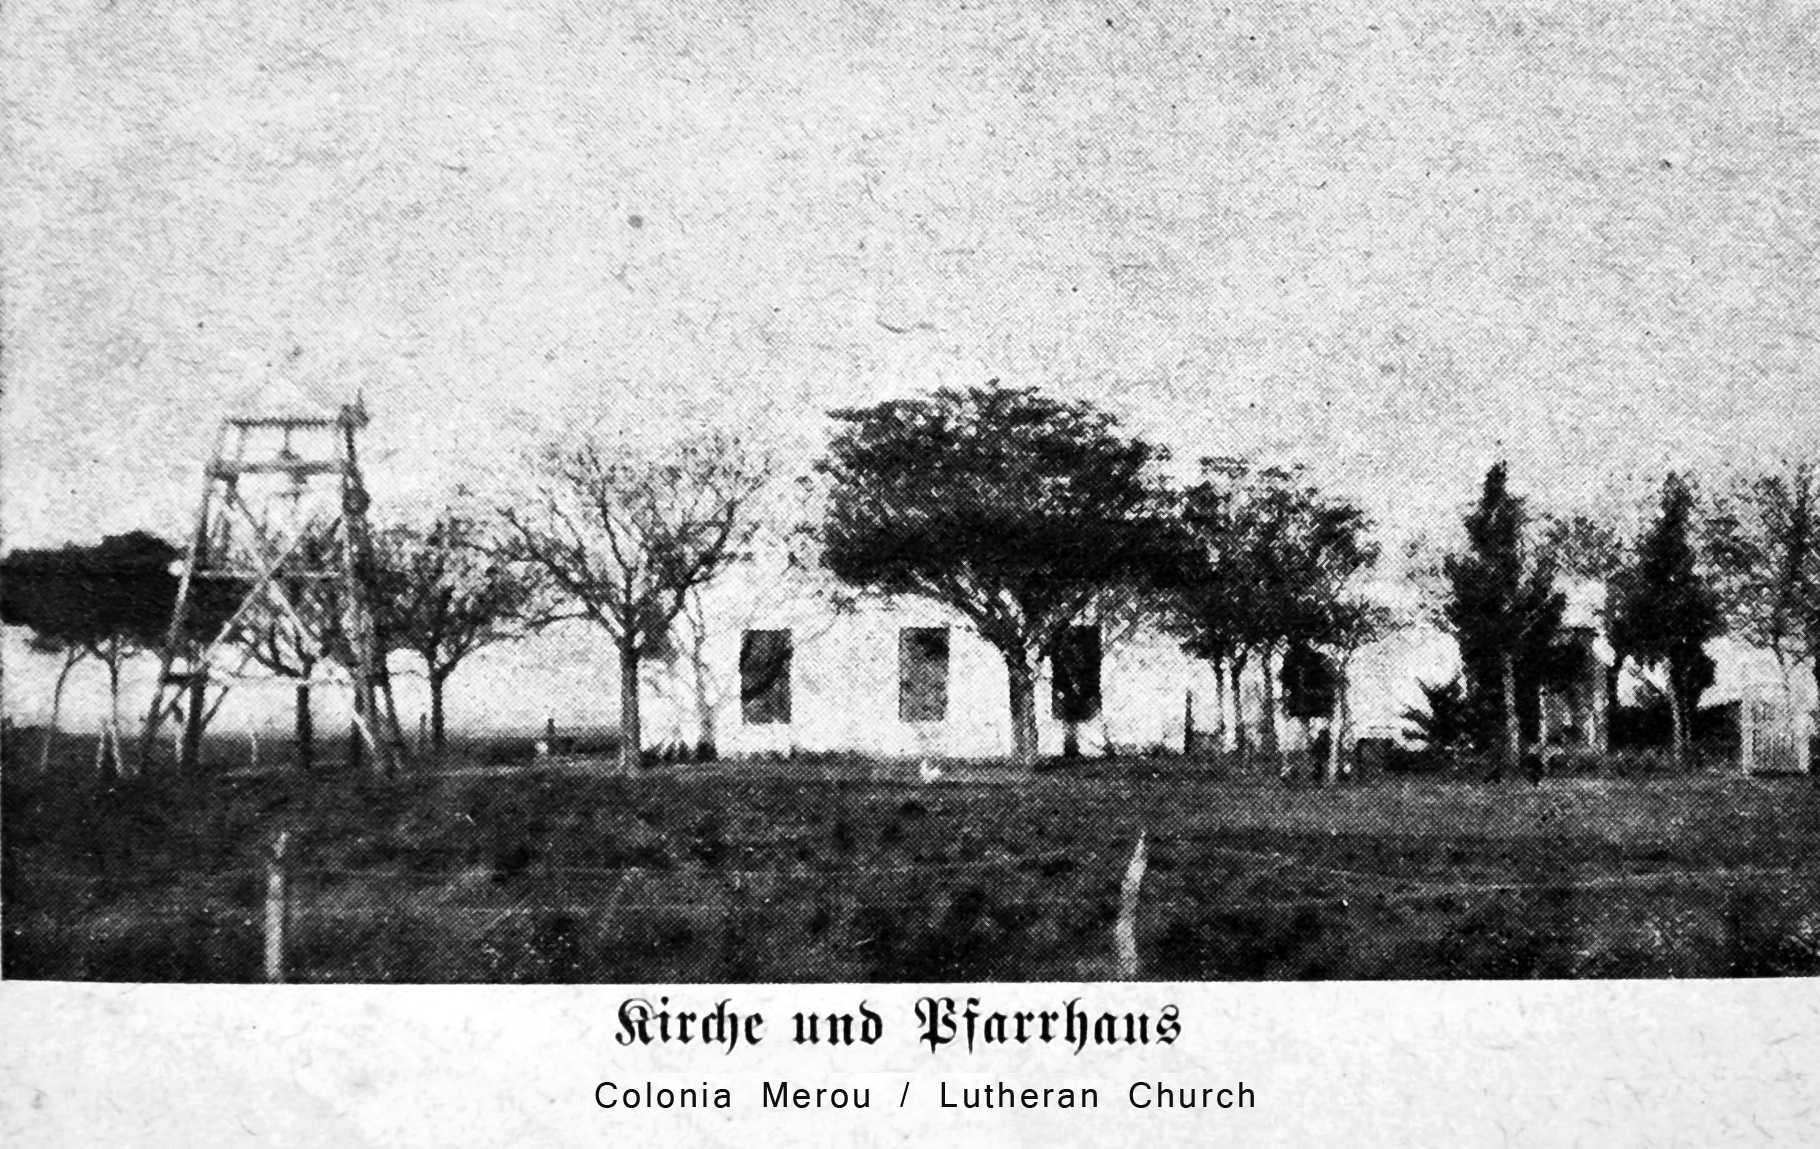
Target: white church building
{"type": "Point", "coordinates": [774, 658]}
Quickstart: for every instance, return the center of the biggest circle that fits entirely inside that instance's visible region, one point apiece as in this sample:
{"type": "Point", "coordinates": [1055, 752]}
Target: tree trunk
{"type": "Point", "coordinates": [116, 767]}
{"type": "Point", "coordinates": [1187, 722]}
{"type": "Point", "coordinates": [630, 729]}
{"type": "Point", "coordinates": [1241, 737]}
{"type": "Point", "coordinates": [707, 737]}
{"type": "Point", "coordinates": [1336, 725]}
{"type": "Point", "coordinates": [1512, 758]}
{"type": "Point", "coordinates": [1219, 704]}
{"type": "Point", "coordinates": [1542, 729]}
{"type": "Point", "coordinates": [1071, 739]}
{"type": "Point", "coordinates": [70, 659]}
{"type": "Point", "coordinates": [390, 701]}
{"type": "Point", "coordinates": [438, 732]}
{"type": "Point", "coordinates": [356, 751]}
{"type": "Point", "coordinates": [1679, 720]}
{"type": "Point", "coordinates": [1267, 722]}
{"type": "Point", "coordinates": [1612, 674]}
{"type": "Point", "coordinates": [189, 759]}
{"type": "Point", "coordinates": [1023, 709]}
{"type": "Point", "coordinates": [306, 730]}
{"type": "Point", "coordinates": [1814, 664]}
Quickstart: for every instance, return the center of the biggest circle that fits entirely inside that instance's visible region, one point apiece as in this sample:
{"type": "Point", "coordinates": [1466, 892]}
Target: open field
{"type": "Point", "coordinates": [848, 870]}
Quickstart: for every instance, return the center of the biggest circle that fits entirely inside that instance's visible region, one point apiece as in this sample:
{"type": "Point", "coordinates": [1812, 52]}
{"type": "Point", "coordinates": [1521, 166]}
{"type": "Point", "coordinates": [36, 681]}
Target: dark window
{"type": "Point", "coordinates": [1074, 665]}
{"type": "Point", "coordinates": [922, 674]}
{"type": "Point", "coordinates": [764, 676]}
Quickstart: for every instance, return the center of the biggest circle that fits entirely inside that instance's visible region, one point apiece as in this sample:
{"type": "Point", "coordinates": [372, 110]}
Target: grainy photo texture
{"type": "Point", "coordinates": [650, 493]}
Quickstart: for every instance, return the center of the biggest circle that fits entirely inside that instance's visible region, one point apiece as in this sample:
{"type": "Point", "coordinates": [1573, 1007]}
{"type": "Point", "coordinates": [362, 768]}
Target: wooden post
{"type": "Point", "coordinates": [1125, 932]}
{"type": "Point", "coordinates": [1187, 722]}
{"type": "Point", "coordinates": [275, 909]}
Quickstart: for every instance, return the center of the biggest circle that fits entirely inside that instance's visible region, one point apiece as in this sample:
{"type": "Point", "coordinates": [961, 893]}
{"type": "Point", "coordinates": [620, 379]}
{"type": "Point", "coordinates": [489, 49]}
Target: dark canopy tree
{"type": "Point", "coordinates": [108, 601]}
{"type": "Point", "coordinates": [1663, 612]}
{"type": "Point", "coordinates": [1011, 507]}
{"type": "Point", "coordinates": [1503, 610]}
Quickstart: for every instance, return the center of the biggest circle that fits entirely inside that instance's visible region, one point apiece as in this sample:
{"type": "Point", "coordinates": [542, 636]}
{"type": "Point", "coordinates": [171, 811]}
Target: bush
{"type": "Point", "coordinates": [1451, 719]}
{"type": "Point", "coordinates": [1651, 723]}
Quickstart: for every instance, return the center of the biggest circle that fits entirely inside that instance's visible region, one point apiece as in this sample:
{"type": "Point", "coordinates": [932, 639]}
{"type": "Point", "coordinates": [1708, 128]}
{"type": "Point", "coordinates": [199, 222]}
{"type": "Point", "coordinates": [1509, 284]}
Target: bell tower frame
{"type": "Point", "coordinates": [281, 552]}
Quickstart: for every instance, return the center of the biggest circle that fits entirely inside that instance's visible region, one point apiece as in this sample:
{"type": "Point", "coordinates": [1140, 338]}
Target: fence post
{"type": "Point", "coordinates": [1125, 932]}
{"type": "Point", "coordinates": [275, 909]}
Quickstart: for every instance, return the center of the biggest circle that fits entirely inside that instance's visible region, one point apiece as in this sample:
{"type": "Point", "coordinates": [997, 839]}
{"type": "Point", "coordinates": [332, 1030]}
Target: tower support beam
{"type": "Point", "coordinates": [279, 570]}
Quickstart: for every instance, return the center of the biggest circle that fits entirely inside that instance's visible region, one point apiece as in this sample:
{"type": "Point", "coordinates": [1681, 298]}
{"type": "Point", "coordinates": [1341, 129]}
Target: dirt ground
{"type": "Point", "coordinates": [847, 869]}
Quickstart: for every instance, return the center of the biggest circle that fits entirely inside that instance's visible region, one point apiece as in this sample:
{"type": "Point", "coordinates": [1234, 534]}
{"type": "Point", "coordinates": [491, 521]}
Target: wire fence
{"type": "Point", "coordinates": [285, 919]}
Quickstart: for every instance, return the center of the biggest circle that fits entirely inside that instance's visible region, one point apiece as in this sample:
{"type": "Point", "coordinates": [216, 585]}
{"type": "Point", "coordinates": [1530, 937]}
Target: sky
{"type": "Point", "coordinates": [1394, 244]}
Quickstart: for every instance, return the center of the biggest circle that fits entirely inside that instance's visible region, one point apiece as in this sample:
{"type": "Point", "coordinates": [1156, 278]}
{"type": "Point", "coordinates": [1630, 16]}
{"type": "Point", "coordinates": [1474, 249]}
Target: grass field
{"type": "Point", "coordinates": [851, 870]}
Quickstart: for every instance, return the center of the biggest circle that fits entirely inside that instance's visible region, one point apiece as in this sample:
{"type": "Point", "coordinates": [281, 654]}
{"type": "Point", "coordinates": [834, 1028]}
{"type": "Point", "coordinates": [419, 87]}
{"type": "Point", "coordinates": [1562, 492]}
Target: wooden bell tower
{"type": "Point", "coordinates": [281, 553]}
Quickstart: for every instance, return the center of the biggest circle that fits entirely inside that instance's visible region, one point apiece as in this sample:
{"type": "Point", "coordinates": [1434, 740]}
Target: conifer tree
{"type": "Point", "coordinates": [1503, 609]}
{"type": "Point", "coordinates": [1663, 610]}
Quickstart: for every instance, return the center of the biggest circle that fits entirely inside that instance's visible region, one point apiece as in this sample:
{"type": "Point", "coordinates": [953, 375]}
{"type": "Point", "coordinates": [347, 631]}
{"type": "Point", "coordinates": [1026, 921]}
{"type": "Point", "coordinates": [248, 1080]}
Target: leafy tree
{"type": "Point", "coordinates": [1503, 609]}
{"type": "Point", "coordinates": [1591, 548]}
{"type": "Point", "coordinates": [1269, 559]}
{"type": "Point", "coordinates": [623, 538]}
{"type": "Point", "coordinates": [1663, 612]}
{"type": "Point", "coordinates": [1764, 543]}
{"type": "Point", "coordinates": [108, 601]}
{"type": "Point", "coordinates": [445, 592]}
{"type": "Point", "coordinates": [1310, 686]}
{"type": "Point", "coordinates": [1012, 508]}
{"type": "Point", "coordinates": [1074, 671]}
{"type": "Point", "coordinates": [1209, 596]}
{"type": "Point", "coordinates": [1350, 624]}
{"type": "Point", "coordinates": [1582, 546]}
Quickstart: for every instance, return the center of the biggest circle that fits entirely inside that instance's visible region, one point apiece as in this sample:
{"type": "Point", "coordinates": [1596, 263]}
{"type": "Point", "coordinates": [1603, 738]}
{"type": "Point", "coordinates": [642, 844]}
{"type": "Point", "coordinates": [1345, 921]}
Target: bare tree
{"type": "Point", "coordinates": [1764, 542]}
{"type": "Point", "coordinates": [275, 641]}
{"type": "Point", "coordinates": [445, 592]}
{"type": "Point", "coordinates": [786, 579]}
{"type": "Point", "coordinates": [1353, 623]}
{"type": "Point", "coordinates": [624, 537]}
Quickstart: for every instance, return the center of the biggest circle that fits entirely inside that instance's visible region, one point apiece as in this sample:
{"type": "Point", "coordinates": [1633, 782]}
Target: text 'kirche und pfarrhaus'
{"type": "Point", "coordinates": [941, 1023]}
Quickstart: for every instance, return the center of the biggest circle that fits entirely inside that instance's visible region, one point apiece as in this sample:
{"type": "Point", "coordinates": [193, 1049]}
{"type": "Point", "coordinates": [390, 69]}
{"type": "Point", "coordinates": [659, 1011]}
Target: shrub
{"type": "Point", "coordinates": [1450, 721]}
